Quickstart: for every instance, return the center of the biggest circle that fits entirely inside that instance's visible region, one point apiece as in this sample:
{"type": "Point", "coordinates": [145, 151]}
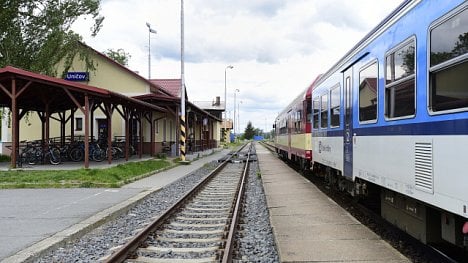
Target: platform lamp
{"type": "Point", "coordinates": [225, 102]}
{"type": "Point", "coordinates": [234, 123]}
{"type": "Point", "coordinates": [238, 117]}
{"type": "Point", "coordinates": [150, 30]}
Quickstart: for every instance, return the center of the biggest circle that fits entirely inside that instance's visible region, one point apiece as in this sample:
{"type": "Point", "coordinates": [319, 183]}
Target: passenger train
{"type": "Point", "coordinates": [293, 138]}
{"type": "Point", "coordinates": [390, 120]}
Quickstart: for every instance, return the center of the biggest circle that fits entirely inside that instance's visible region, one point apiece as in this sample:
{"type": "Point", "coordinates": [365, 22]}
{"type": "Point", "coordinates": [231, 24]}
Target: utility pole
{"type": "Point", "coordinates": [182, 84]}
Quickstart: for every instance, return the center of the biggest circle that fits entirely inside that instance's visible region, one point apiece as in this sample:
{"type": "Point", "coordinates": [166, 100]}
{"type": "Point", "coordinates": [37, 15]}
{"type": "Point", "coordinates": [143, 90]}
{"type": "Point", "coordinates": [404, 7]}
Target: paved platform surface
{"type": "Point", "coordinates": [310, 227]}
{"type": "Point", "coordinates": [33, 219]}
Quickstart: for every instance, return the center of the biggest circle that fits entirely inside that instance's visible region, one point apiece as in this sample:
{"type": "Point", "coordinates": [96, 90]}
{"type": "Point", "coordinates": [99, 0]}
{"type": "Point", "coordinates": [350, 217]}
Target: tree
{"type": "Point", "coordinates": [249, 131]}
{"type": "Point", "coordinates": [257, 131]}
{"type": "Point", "coordinates": [461, 46]}
{"type": "Point", "coordinates": [120, 56]}
{"type": "Point", "coordinates": [36, 35]}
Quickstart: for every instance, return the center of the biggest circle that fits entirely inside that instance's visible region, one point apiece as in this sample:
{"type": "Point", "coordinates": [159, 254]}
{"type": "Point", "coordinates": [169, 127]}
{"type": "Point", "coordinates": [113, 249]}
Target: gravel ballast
{"type": "Point", "coordinates": [255, 241]}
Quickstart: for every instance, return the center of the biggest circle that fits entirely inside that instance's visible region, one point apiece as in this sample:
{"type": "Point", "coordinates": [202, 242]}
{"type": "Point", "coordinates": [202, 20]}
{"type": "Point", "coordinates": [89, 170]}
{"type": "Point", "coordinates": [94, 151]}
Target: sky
{"type": "Point", "coordinates": [276, 47]}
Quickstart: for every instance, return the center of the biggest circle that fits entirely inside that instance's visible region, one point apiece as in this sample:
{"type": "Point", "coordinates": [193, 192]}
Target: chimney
{"type": "Point", "coordinates": [218, 101]}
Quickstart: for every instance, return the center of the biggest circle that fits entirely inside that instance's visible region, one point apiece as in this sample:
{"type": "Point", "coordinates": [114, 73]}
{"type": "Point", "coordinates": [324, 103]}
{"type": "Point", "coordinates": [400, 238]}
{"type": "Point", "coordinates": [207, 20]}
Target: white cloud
{"type": "Point", "coordinates": [277, 47]}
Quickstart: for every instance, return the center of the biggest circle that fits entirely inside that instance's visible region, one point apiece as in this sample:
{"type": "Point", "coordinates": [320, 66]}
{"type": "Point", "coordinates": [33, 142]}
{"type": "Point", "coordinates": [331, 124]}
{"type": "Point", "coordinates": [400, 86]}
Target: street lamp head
{"type": "Point", "coordinates": [150, 29]}
{"type": "Point", "coordinates": [230, 67]}
{"type": "Point", "coordinates": [237, 90]}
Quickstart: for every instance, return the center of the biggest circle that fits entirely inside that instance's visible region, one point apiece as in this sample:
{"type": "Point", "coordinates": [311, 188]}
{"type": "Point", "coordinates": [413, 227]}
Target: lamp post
{"type": "Point", "coordinates": [238, 116]}
{"type": "Point", "coordinates": [150, 30]}
{"type": "Point", "coordinates": [234, 123]}
{"type": "Point", "coordinates": [225, 102]}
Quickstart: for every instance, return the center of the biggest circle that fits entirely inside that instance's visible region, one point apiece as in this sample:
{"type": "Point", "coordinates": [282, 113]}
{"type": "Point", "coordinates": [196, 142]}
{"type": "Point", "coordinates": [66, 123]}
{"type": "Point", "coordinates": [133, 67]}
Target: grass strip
{"type": "Point", "coordinates": [115, 176]}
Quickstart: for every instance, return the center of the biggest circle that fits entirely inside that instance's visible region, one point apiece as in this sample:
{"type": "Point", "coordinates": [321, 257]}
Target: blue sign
{"type": "Point", "coordinates": [77, 76]}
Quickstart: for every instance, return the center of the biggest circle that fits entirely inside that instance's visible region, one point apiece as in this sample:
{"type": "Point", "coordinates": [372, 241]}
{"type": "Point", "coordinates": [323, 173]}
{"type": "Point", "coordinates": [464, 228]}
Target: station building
{"type": "Point", "coordinates": [158, 133]}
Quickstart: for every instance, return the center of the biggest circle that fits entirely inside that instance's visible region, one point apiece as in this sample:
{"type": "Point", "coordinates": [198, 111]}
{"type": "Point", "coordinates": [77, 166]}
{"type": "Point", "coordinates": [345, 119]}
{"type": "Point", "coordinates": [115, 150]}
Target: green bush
{"type": "Point", "coordinates": [4, 158]}
{"type": "Point", "coordinates": [161, 156]}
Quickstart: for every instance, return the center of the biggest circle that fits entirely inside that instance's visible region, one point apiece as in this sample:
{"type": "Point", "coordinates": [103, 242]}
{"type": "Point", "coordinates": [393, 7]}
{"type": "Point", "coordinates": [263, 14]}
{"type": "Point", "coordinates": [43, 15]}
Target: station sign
{"type": "Point", "coordinates": [77, 76]}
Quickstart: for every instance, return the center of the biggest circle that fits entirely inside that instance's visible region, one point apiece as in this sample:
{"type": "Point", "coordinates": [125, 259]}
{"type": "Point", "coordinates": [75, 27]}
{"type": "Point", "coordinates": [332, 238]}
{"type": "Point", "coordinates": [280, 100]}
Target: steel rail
{"type": "Point", "coordinates": [133, 244]}
{"type": "Point", "coordinates": [229, 247]}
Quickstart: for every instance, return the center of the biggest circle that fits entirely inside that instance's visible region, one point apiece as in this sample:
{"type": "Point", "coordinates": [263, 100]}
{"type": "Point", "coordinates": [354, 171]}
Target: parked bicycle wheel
{"type": "Point", "coordinates": [116, 153]}
{"type": "Point", "coordinates": [76, 154]}
{"type": "Point", "coordinates": [53, 155]}
{"type": "Point", "coordinates": [34, 157]}
{"type": "Point", "coordinates": [98, 155]}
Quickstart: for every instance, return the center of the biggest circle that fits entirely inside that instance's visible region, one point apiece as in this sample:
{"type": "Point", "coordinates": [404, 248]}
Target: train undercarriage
{"type": "Point", "coordinates": [422, 221]}
{"type": "Point", "coordinates": [303, 164]}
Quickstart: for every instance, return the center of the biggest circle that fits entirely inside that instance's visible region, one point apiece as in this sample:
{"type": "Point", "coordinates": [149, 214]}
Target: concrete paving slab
{"type": "Point", "coordinates": [283, 199]}
{"type": "Point", "coordinates": [30, 215]}
{"type": "Point", "coordinates": [299, 219]}
{"type": "Point", "coordinates": [324, 231]}
{"type": "Point", "coordinates": [338, 251]}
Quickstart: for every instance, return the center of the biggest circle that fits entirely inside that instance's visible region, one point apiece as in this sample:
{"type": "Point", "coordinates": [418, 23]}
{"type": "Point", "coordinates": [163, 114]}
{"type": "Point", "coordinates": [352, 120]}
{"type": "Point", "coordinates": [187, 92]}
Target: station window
{"type": "Point", "coordinates": [316, 112]}
{"type": "Point", "coordinates": [449, 63]}
{"type": "Point", "coordinates": [335, 103]}
{"type": "Point", "coordinates": [368, 89]}
{"type": "Point", "coordinates": [78, 124]}
{"type": "Point", "coordinates": [400, 81]}
{"type": "Point", "coordinates": [324, 111]}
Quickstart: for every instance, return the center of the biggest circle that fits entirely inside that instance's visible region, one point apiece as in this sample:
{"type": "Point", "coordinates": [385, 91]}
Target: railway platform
{"type": "Point", "coordinates": [310, 227]}
{"type": "Point", "coordinates": [32, 220]}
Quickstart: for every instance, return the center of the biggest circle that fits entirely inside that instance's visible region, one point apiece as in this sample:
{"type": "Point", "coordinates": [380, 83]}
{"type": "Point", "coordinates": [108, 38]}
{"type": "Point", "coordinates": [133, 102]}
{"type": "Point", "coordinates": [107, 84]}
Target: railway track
{"type": "Point", "coordinates": [201, 226]}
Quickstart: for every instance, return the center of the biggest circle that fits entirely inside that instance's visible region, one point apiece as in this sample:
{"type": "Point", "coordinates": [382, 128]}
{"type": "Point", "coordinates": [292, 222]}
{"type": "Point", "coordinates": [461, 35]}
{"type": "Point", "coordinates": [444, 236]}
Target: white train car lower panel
{"type": "Point", "coordinates": [328, 151]}
{"type": "Point", "coordinates": [422, 167]}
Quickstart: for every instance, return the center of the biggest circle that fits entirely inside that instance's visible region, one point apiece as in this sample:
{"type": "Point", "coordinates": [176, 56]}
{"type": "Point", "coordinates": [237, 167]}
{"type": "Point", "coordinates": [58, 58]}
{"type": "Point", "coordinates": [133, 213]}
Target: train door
{"type": "Point", "coordinates": [348, 123]}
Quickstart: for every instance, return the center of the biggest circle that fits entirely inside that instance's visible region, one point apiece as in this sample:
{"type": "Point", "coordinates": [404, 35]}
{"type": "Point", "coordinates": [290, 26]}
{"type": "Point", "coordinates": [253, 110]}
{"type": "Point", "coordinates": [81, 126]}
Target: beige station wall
{"type": "Point", "coordinates": [110, 76]}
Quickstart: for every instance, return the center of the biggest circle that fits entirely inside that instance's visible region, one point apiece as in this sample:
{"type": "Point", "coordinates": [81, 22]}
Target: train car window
{"type": "Point", "coordinates": [299, 121]}
{"type": "Point", "coordinates": [324, 111]}
{"type": "Point", "coordinates": [400, 81]}
{"type": "Point", "coordinates": [309, 112]}
{"type": "Point", "coordinates": [316, 112]}
{"type": "Point", "coordinates": [335, 103]}
{"type": "Point", "coordinates": [368, 89]}
{"type": "Point", "coordinates": [449, 63]}
{"type": "Point", "coordinates": [283, 128]}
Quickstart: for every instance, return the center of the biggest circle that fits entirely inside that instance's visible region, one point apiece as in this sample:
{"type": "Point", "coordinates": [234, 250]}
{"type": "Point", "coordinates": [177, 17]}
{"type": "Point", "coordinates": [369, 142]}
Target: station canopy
{"type": "Point", "coordinates": [35, 92]}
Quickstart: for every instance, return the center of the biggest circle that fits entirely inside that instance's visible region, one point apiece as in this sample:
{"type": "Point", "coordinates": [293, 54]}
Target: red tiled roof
{"type": "Point", "coordinates": [172, 86]}
{"type": "Point", "coordinates": [372, 84]}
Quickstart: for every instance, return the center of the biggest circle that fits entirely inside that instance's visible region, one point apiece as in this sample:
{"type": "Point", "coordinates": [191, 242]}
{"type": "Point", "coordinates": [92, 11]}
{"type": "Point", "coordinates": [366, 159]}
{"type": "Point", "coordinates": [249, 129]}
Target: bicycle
{"type": "Point", "coordinates": [95, 152]}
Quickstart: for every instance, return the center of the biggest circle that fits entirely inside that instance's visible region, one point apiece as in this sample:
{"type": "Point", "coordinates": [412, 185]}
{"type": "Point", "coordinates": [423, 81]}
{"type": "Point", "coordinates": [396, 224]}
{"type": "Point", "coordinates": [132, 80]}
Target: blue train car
{"type": "Point", "coordinates": [391, 117]}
